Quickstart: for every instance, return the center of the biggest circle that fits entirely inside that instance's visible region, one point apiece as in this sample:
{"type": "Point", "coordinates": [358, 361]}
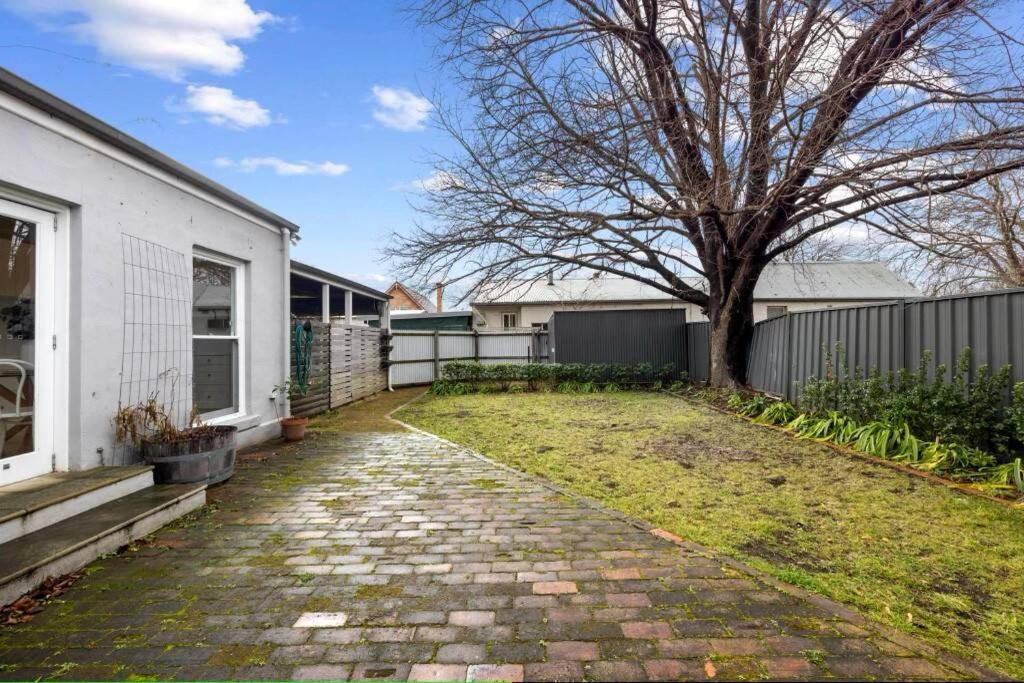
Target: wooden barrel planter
{"type": "Point", "coordinates": [206, 456]}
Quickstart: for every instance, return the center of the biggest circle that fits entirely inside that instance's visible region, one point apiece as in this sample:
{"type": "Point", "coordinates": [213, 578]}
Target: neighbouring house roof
{"type": "Point", "coordinates": [51, 104]}
{"type": "Point", "coordinates": [816, 280]}
{"type": "Point", "coordinates": [325, 277]}
{"type": "Point", "coordinates": [425, 315]}
{"type": "Point", "coordinates": [423, 302]}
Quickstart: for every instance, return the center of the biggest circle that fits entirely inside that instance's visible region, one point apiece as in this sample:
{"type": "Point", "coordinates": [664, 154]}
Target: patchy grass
{"type": "Point", "coordinates": [367, 415]}
{"type": "Point", "coordinates": [941, 565]}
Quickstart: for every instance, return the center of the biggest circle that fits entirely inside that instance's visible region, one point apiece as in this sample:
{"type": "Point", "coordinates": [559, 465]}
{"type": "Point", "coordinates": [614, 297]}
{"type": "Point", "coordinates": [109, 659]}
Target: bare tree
{"type": "Point", "coordinates": [968, 240]}
{"type": "Point", "coordinates": [659, 139]}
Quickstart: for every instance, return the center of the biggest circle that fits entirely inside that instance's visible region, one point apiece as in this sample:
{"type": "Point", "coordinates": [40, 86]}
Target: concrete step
{"type": "Point", "coordinates": [36, 503]}
{"type": "Point", "coordinates": [71, 544]}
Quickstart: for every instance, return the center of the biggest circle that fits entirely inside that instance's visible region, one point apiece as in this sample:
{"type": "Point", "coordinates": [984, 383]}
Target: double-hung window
{"type": "Point", "coordinates": [508, 320]}
{"type": "Point", "coordinates": [217, 336]}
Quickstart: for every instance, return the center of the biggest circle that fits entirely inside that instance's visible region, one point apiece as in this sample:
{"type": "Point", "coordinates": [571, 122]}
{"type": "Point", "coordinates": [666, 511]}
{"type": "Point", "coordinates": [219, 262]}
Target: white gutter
{"type": "Point", "coordinates": [286, 269]}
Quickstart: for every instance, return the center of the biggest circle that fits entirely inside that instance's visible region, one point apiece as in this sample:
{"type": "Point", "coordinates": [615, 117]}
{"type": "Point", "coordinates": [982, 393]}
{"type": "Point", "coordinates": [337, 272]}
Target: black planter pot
{"type": "Point", "coordinates": [209, 458]}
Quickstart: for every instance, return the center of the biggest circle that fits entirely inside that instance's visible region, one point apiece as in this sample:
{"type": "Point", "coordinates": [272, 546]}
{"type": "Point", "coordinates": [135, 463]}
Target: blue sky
{"type": "Point", "coordinates": [313, 109]}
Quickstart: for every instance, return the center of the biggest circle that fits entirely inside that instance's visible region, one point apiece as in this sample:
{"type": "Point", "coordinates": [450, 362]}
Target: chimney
{"type": "Point", "coordinates": [551, 277]}
{"type": "Point", "coordinates": [438, 294]}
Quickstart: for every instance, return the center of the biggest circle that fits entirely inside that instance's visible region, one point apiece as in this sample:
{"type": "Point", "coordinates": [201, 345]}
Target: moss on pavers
{"type": "Point", "coordinates": [367, 415]}
{"type": "Point", "coordinates": [446, 570]}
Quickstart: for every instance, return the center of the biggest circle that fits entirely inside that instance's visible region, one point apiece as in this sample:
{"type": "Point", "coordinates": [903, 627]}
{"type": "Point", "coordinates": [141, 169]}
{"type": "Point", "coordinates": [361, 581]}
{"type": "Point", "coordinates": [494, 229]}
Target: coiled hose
{"type": "Point", "coordinates": [302, 352]}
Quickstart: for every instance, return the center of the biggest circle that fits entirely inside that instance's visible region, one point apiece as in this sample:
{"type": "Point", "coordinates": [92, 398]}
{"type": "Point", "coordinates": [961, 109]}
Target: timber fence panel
{"type": "Point", "coordinates": [345, 365]}
{"type": "Point", "coordinates": [356, 363]}
{"type": "Point", "coordinates": [317, 398]}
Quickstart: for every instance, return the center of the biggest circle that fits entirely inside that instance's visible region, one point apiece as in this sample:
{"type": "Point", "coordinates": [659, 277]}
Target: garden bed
{"type": "Point", "coordinates": [906, 551]}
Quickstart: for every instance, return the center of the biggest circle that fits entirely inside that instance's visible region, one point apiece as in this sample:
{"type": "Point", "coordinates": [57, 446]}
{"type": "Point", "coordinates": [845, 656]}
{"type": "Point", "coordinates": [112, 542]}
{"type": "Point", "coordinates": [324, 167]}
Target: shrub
{"type": "Point", "coordinates": [954, 410]}
{"type": "Point", "coordinates": [754, 406]}
{"type": "Point", "coordinates": [833, 426]}
{"type": "Point", "coordinates": [1008, 475]}
{"type": "Point", "coordinates": [777, 413]}
{"type": "Point", "coordinates": [1015, 413]}
{"type": "Point", "coordinates": [568, 377]}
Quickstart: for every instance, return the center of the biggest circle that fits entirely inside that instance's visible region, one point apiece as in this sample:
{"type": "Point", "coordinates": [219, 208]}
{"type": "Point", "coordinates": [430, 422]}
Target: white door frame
{"type": "Point", "coordinates": [50, 418]}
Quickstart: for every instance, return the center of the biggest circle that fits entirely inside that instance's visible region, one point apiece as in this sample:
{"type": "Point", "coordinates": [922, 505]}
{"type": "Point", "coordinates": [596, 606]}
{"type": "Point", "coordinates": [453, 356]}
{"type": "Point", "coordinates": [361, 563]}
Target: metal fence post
{"type": "Point", "coordinates": [787, 370]}
{"type": "Point", "coordinates": [437, 355]}
{"type": "Point", "coordinates": [476, 345]}
{"type": "Point", "coordinates": [901, 335]}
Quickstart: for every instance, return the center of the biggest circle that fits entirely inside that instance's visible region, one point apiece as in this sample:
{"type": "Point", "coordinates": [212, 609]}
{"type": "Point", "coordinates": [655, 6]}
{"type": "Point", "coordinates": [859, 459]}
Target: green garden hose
{"type": "Point", "coordinates": [302, 352]}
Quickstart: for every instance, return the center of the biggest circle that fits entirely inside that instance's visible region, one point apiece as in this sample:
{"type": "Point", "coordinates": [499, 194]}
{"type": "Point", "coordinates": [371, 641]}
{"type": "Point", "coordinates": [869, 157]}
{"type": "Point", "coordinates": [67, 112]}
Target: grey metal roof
{"type": "Point", "coordinates": [313, 273]}
{"type": "Point", "coordinates": [813, 280]}
{"type": "Point", "coordinates": [32, 94]}
{"type": "Point", "coordinates": [427, 315]}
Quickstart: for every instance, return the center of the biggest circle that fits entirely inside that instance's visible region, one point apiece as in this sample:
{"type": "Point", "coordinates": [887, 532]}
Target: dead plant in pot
{"type": "Point", "coordinates": [194, 453]}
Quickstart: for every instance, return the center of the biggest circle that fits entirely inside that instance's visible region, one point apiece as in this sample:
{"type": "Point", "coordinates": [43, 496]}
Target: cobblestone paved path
{"type": "Point", "coordinates": [395, 555]}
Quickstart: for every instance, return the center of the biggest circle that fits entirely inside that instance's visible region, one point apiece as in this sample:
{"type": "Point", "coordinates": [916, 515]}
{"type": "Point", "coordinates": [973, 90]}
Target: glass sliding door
{"type": "Point", "coordinates": [26, 341]}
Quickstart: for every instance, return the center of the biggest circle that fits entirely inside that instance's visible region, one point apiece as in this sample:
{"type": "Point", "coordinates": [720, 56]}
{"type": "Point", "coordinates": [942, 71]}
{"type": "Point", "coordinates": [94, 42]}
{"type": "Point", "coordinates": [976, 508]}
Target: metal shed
{"type": "Point", "coordinates": [655, 336]}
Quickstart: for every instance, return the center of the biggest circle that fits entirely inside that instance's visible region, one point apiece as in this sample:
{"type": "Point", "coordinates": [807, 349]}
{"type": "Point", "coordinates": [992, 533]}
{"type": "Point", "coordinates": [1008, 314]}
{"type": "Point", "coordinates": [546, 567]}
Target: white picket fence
{"type": "Point", "coordinates": [417, 357]}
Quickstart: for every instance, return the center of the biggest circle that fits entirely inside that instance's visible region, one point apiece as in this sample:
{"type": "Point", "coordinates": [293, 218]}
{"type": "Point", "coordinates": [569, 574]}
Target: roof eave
{"type": "Point", "coordinates": [43, 100]}
{"type": "Point", "coordinates": [314, 273]}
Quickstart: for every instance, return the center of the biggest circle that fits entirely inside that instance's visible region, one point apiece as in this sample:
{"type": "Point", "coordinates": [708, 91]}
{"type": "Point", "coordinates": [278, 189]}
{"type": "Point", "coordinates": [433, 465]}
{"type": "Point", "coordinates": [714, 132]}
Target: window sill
{"type": "Point", "coordinates": [240, 420]}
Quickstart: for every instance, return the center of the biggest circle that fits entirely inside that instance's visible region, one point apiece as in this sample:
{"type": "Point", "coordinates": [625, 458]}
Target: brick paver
{"type": "Point", "coordinates": [395, 555]}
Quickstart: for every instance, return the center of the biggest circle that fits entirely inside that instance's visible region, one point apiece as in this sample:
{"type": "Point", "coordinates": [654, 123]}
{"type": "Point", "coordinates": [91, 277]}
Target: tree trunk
{"type": "Point", "coordinates": [732, 329]}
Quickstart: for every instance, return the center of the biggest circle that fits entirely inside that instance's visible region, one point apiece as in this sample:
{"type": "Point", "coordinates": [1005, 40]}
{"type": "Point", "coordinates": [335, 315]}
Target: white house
{"type": "Point", "coordinates": [783, 287]}
{"type": "Point", "coordinates": [125, 275]}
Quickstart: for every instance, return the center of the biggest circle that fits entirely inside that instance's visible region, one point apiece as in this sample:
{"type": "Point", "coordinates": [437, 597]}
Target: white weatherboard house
{"type": "Point", "coordinates": [123, 275]}
{"type": "Point", "coordinates": [783, 288]}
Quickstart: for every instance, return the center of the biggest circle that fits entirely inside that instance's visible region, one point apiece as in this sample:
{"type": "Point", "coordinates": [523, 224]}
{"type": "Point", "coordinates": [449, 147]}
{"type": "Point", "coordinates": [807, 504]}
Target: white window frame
{"type": "Point", "coordinates": [768, 310]}
{"type": "Point", "coordinates": [505, 316]}
{"type": "Point", "coordinates": [238, 328]}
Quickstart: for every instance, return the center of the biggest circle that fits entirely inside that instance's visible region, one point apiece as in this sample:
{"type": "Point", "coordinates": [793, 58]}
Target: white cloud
{"type": "Point", "coordinates": [164, 37]}
{"type": "Point", "coordinates": [368, 278]}
{"type": "Point", "coordinates": [438, 180]}
{"type": "Point", "coordinates": [282, 167]}
{"type": "Point", "coordinates": [400, 109]}
{"type": "Point", "coordinates": [221, 107]}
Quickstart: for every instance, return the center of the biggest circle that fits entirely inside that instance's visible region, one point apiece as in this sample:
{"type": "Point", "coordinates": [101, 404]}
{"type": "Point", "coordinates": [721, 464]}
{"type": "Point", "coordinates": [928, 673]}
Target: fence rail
{"type": "Point", "coordinates": [884, 337]}
{"type": "Point", "coordinates": [418, 357]}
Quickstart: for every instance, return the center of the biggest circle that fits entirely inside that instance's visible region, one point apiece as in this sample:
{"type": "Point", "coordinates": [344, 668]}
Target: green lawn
{"type": "Point", "coordinates": [941, 565]}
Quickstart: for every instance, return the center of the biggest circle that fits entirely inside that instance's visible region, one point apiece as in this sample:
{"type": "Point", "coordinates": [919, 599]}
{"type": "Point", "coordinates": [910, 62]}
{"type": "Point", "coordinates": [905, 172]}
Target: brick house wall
{"type": "Point", "coordinates": [401, 301]}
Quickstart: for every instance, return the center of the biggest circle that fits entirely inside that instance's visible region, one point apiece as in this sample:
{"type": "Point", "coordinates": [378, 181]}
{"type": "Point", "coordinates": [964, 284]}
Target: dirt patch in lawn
{"type": "Point", "coordinates": [686, 450]}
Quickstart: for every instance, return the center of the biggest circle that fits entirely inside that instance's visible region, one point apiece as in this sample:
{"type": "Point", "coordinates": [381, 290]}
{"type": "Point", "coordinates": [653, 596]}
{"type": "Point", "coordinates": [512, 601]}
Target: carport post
{"type": "Point", "coordinates": [325, 303]}
{"type": "Point", "coordinates": [348, 306]}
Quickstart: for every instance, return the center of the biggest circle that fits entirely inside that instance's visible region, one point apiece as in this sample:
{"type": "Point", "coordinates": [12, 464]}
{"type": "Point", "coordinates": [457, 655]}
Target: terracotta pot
{"type": "Point", "coordinates": [294, 428]}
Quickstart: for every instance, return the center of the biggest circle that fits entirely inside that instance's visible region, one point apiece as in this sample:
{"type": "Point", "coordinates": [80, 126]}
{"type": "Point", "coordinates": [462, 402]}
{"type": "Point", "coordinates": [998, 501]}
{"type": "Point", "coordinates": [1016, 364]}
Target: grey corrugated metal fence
{"type": "Point", "coordinates": [698, 351]}
{"type": "Point", "coordinates": [788, 350]}
{"type": "Point", "coordinates": [417, 357]}
{"type": "Point", "coordinates": [655, 336]}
